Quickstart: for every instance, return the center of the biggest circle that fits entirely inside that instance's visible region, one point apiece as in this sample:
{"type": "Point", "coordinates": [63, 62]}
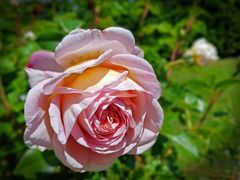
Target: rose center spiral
{"type": "Point", "coordinates": [108, 120]}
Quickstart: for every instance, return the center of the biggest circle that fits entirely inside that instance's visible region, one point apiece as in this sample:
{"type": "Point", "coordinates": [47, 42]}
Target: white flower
{"type": "Point", "coordinates": [29, 35]}
{"type": "Point", "coordinates": [202, 52]}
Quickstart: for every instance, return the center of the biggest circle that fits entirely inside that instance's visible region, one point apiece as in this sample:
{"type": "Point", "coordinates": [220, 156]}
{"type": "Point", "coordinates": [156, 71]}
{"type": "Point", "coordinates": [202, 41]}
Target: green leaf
{"type": "Point", "coordinates": [6, 129]}
{"type": "Point", "coordinates": [43, 26]}
{"type": "Point", "coordinates": [226, 83]}
{"type": "Point", "coordinates": [32, 163]}
{"type": "Point", "coordinates": [51, 35]}
{"type": "Point", "coordinates": [70, 24]}
{"type": "Point", "coordinates": [68, 21]}
{"type": "Point", "coordinates": [5, 24]}
{"type": "Point", "coordinates": [171, 120]}
{"type": "Point", "coordinates": [165, 27]}
{"type": "Point", "coordinates": [6, 66]}
{"type": "Point", "coordinates": [49, 45]}
{"type": "Point", "coordinates": [194, 102]}
{"type": "Point", "coordinates": [184, 142]}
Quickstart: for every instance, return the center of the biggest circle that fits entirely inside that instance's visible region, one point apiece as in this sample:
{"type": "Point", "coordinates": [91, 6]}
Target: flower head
{"type": "Point", "coordinates": [93, 99]}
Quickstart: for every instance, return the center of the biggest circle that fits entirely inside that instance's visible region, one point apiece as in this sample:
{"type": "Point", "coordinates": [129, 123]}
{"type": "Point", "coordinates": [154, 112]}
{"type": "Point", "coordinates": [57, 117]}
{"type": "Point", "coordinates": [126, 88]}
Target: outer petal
{"type": "Point", "coordinates": [125, 37]}
{"type": "Point", "coordinates": [81, 45]}
{"type": "Point", "coordinates": [139, 70]}
{"type": "Point", "coordinates": [36, 76]}
{"type": "Point", "coordinates": [81, 159]}
{"type": "Point", "coordinates": [38, 133]}
{"type": "Point", "coordinates": [90, 160]}
{"type": "Point", "coordinates": [56, 119]}
{"type": "Point", "coordinates": [122, 35]}
{"type": "Point", "coordinates": [85, 45]}
{"type": "Point", "coordinates": [152, 125]}
{"type": "Point", "coordinates": [44, 61]}
{"type": "Point", "coordinates": [138, 52]}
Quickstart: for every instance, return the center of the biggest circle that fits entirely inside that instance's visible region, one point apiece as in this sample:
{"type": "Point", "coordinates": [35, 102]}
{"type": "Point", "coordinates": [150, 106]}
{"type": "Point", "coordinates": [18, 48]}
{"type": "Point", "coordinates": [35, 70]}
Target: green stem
{"type": "Point", "coordinates": [211, 103]}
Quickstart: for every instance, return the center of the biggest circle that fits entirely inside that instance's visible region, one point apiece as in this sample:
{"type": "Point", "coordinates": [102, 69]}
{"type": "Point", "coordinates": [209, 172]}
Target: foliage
{"type": "Point", "coordinates": [199, 137]}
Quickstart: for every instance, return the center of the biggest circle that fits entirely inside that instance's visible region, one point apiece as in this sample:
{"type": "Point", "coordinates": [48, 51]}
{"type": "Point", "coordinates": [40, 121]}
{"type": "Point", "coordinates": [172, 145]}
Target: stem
{"type": "Point", "coordinates": [211, 103]}
{"type": "Point", "coordinates": [188, 118]}
{"type": "Point", "coordinates": [184, 35]}
{"type": "Point", "coordinates": [217, 94]}
{"type": "Point", "coordinates": [95, 13]}
{"type": "Point", "coordinates": [177, 48]}
{"type": "Point", "coordinates": [175, 51]}
{"type": "Point", "coordinates": [145, 12]}
{"type": "Point", "coordinates": [172, 64]}
{"type": "Point", "coordinates": [4, 99]}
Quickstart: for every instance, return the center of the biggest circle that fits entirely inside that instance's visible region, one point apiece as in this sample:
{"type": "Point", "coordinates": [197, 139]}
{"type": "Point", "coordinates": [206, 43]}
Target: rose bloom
{"type": "Point", "coordinates": [202, 52]}
{"type": "Point", "coordinates": [92, 100]}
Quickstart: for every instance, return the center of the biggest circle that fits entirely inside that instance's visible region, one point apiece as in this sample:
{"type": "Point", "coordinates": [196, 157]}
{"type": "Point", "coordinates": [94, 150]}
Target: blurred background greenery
{"type": "Point", "coordinates": [200, 135]}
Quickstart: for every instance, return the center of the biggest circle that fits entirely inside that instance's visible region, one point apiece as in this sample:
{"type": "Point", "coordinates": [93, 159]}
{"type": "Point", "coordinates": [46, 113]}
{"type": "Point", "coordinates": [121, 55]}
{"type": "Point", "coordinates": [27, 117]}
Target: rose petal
{"type": "Point", "coordinates": [59, 149]}
{"type": "Point", "coordinates": [79, 135]}
{"type": "Point", "coordinates": [81, 159]}
{"type": "Point", "coordinates": [36, 104]}
{"type": "Point", "coordinates": [125, 37]}
{"type": "Point", "coordinates": [44, 61]}
{"type": "Point", "coordinates": [36, 76]}
{"type": "Point", "coordinates": [95, 78]}
{"type": "Point", "coordinates": [56, 119]}
{"type": "Point", "coordinates": [39, 135]}
{"type": "Point", "coordinates": [82, 45]}
{"type": "Point", "coordinates": [38, 132]}
{"type": "Point", "coordinates": [103, 96]}
{"type": "Point", "coordinates": [140, 71]}
{"type": "Point", "coordinates": [122, 35]}
{"type": "Point", "coordinates": [72, 106]}
{"type": "Point", "coordinates": [138, 52]}
{"type": "Point", "coordinates": [126, 85]}
{"type": "Point", "coordinates": [152, 125]}
{"type": "Point", "coordinates": [78, 69]}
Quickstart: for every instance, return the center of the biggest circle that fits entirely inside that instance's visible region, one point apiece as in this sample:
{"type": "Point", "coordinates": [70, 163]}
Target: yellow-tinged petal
{"type": "Point", "coordinates": [96, 76]}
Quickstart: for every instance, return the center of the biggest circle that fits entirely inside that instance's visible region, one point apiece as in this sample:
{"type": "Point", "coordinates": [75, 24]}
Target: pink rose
{"type": "Point", "coordinates": [92, 100]}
